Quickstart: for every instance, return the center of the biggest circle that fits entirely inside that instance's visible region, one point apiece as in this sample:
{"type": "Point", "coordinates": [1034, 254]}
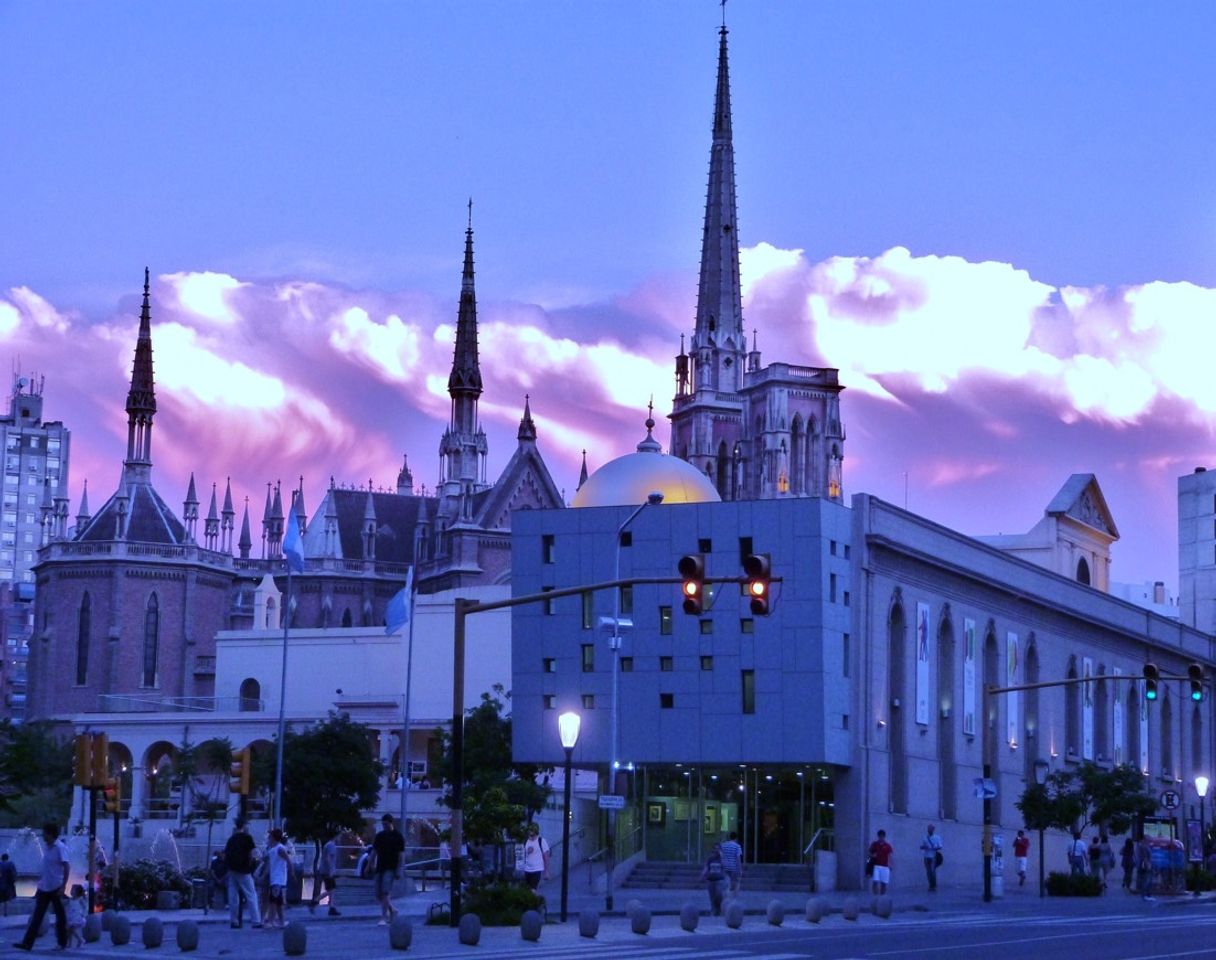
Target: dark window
{"type": "Point", "coordinates": [151, 640]}
{"type": "Point", "coordinates": [667, 664]}
{"type": "Point", "coordinates": [707, 626]}
{"type": "Point", "coordinates": [747, 625]}
{"type": "Point", "coordinates": [847, 551]}
{"type": "Point", "coordinates": [845, 654]}
{"type": "Point", "coordinates": [665, 621]}
{"type": "Point", "coordinates": [749, 691]}
{"type": "Point", "coordinates": [549, 665]}
{"type": "Point", "coordinates": [667, 701]}
{"type": "Point", "coordinates": [832, 547]}
{"type": "Point", "coordinates": [844, 721]}
{"type": "Point", "coordinates": [251, 695]}
{"type": "Point", "coordinates": [82, 641]}
{"type": "Point", "coordinates": [846, 598]}
{"type": "Point", "coordinates": [626, 600]}
{"type": "Point", "coordinates": [626, 538]}
{"type": "Point", "coordinates": [548, 548]}
{"type": "Point", "coordinates": [547, 603]}
{"type": "Point", "coordinates": [745, 548]}
{"type": "Point", "coordinates": [705, 546]}
{"type": "Point", "coordinates": [587, 609]}
{"type": "Point", "coordinates": [346, 617]}
{"type": "Point", "coordinates": [549, 701]}
{"type": "Point", "coordinates": [831, 588]}
{"type": "Point", "coordinates": [588, 701]}
{"type": "Point", "coordinates": [626, 664]}
{"type": "Point", "coordinates": [707, 663]}
{"type": "Point", "coordinates": [588, 657]}
{"type": "Point", "coordinates": [1082, 571]}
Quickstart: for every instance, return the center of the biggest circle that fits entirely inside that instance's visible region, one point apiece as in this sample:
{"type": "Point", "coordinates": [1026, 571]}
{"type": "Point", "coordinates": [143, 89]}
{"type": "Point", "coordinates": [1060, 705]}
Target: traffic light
{"type": "Point", "coordinates": [240, 773]}
{"type": "Point", "coordinates": [692, 569]}
{"type": "Point", "coordinates": [1151, 676]}
{"type": "Point", "coordinates": [101, 759]}
{"type": "Point", "coordinates": [82, 765]}
{"type": "Point", "coordinates": [758, 570]}
{"type": "Point", "coordinates": [111, 792]}
{"type": "Point", "coordinates": [1195, 672]}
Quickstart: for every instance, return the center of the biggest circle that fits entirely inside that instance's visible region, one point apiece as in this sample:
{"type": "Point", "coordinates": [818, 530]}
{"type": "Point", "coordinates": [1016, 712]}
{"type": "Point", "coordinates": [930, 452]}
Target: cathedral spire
{"type": "Point", "coordinates": [582, 474]}
{"type": "Point", "coordinates": [527, 427]}
{"type": "Point", "coordinates": [465, 378]}
{"type": "Point", "coordinates": [246, 541]}
{"type": "Point", "coordinates": [141, 398]}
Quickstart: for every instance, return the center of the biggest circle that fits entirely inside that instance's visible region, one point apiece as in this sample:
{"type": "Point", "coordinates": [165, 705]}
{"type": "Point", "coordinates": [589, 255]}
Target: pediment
{"type": "Point", "coordinates": [1081, 500]}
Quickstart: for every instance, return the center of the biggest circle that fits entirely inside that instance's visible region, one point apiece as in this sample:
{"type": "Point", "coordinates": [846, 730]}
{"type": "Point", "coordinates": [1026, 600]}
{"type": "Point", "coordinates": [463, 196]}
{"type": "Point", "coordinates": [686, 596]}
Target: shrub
{"type": "Point", "coordinates": [1207, 881]}
{"type": "Point", "coordinates": [501, 904]}
{"type": "Point", "coordinates": [141, 881]}
{"type": "Point", "coordinates": [1067, 885]}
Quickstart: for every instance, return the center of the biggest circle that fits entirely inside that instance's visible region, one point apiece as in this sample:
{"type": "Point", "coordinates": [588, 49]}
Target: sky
{"type": "Point", "coordinates": [998, 221]}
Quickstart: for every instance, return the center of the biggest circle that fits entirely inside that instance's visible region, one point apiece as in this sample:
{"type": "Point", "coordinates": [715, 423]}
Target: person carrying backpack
{"type": "Point", "coordinates": [714, 875]}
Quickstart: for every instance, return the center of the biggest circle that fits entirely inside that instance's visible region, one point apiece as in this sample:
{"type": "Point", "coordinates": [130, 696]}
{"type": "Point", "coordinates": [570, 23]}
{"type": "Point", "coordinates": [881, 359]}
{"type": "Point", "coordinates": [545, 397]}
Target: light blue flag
{"type": "Point", "coordinates": [399, 610]}
{"type": "Point", "coordinates": [293, 544]}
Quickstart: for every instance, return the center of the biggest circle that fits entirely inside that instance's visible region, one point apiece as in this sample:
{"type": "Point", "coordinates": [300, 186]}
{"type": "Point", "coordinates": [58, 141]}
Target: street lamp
{"type": "Point", "coordinates": [1041, 768]}
{"type": "Point", "coordinates": [1201, 788]}
{"type": "Point", "coordinates": [652, 499]}
{"type": "Point", "coordinates": [567, 728]}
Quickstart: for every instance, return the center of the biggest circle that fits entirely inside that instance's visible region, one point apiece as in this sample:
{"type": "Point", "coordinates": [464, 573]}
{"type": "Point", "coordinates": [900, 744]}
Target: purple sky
{"type": "Point", "coordinates": [998, 223]}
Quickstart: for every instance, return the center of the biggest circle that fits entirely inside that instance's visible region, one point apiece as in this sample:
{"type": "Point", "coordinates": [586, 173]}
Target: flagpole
{"type": "Point", "coordinates": [278, 767]}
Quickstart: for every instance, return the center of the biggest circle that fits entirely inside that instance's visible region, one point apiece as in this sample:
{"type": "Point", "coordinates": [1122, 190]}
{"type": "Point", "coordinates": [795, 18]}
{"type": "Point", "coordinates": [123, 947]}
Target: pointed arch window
{"type": "Point", "coordinates": [151, 641]}
{"type": "Point", "coordinates": [1167, 735]}
{"type": "Point", "coordinates": [82, 640]}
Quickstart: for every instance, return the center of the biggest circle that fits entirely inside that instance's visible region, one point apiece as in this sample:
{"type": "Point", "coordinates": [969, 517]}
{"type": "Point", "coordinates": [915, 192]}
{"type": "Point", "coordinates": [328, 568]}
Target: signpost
{"type": "Point", "coordinates": [1170, 799]}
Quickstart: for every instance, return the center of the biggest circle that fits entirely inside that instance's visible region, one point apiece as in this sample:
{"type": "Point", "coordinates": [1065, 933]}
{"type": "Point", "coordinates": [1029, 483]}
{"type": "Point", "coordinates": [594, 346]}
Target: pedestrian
{"type": "Point", "coordinates": [1106, 859]}
{"type": "Point", "coordinates": [1127, 857]}
{"type": "Point", "coordinates": [1076, 855]}
{"type": "Point", "coordinates": [732, 863]}
{"type": "Point", "coordinates": [1021, 851]}
{"type": "Point", "coordinates": [1094, 854]}
{"type": "Point", "coordinates": [536, 857]}
{"type": "Point", "coordinates": [239, 858]}
{"type": "Point", "coordinates": [326, 882]}
{"type": "Point", "coordinates": [385, 859]}
{"type": "Point", "coordinates": [8, 881]}
{"type": "Point", "coordinates": [77, 907]}
{"type": "Point", "coordinates": [278, 870]}
{"type": "Point", "coordinates": [217, 879]}
{"type": "Point", "coordinates": [931, 852]}
{"type": "Point", "coordinates": [714, 874]}
{"type": "Point", "coordinates": [1144, 867]}
{"type": "Point", "coordinates": [49, 893]}
{"type": "Point", "coordinates": [881, 855]}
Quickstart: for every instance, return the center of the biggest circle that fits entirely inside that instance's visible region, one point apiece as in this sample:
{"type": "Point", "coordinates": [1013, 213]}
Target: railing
{"type": "Point", "coordinates": [626, 846]}
{"type": "Point", "coordinates": [125, 703]}
{"type": "Point", "coordinates": [828, 834]}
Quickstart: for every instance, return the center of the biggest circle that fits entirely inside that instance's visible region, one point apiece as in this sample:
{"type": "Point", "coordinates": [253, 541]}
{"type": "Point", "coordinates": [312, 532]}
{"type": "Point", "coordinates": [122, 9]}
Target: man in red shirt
{"type": "Point", "coordinates": [881, 853]}
{"type": "Point", "coordinates": [1021, 848]}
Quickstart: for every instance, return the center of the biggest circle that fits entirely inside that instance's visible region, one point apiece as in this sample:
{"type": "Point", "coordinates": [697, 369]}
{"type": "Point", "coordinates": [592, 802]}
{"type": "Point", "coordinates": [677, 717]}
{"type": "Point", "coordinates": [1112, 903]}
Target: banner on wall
{"type": "Point", "coordinates": [922, 663]}
{"type": "Point", "coordinates": [1012, 669]}
{"type": "Point", "coordinates": [1118, 749]}
{"type": "Point", "coordinates": [1143, 758]}
{"type": "Point", "coordinates": [1087, 708]}
{"type": "Point", "coordinates": [969, 677]}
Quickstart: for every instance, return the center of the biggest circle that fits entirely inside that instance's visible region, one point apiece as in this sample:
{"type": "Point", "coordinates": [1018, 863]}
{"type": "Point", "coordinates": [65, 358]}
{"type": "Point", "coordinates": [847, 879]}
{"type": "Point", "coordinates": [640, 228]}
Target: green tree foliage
{"type": "Point", "coordinates": [1089, 795]}
{"type": "Point", "coordinates": [500, 797]}
{"type": "Point", "coordinates": [35, 775]}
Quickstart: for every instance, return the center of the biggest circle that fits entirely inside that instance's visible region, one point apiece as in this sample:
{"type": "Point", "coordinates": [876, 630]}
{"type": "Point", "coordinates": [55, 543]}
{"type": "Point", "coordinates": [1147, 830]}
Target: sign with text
{"type": "Point", "coordinates": [610, 801]}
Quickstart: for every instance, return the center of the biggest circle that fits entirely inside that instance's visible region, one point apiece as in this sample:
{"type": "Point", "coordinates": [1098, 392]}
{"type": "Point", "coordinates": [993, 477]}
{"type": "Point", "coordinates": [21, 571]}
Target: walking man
{"type": "Point", "coordinates": [386, 859]}
{"type": "Point", "coordinates": [327, 877]}
{"type": "Point", "coordinates": [239, 857]}
{"type": "Point", "coordinates": [1021, 852]}
{"type": "Point", "coordinates": [881, 854]}
{"type": "Point", "coordinates": [732, 863]}
{"type": "Point", "coordinates": [50, 889]}
{"type": "Point", "coordinates": [536, 857]}
{"type": "Point", "coordinates": [931, 851]}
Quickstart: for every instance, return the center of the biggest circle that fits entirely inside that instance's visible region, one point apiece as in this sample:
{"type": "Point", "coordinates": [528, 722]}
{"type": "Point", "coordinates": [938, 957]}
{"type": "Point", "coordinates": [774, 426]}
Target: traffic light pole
{"type": "Point", "coordinates": [92, 846]}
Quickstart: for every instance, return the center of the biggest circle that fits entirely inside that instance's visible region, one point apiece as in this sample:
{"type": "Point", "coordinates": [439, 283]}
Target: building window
{"type": "Point", "coordinates": [548, 665]}
{"type": "Point", "coordinates": [82, 641]}
{"type": "Point", "coordinates": [707, 627]}
{"type": "Point", "coordinates": [844, 721]}
{"type": "Point", "coordinates": [745, 549]}
{"type": "Point", "coordinates": [665, 621]}
{"type": "Point", "coordinates": [548, 548]}
{"type": "Point", "coordinates": [832, 547]}
{"type": "Point", "coordinates": [747, 625]}
{"type": "Point", "coordinates": [151, 640]}
{"type": "Point", "coordinates": [705, 546]}
{"type": "Point", "coordinates": [831, 588]}
{"type": "Point", "coordinates": [626, 538]}
{"type": "Point", "coordinates": [626, 664]}
{"type": "Point", "coordinates": [707, 663]}
{"type": "Point", "coordinates": [627, 600]}
{"type": "Point", "coordinates": [847, 551]}
{"type": "Point", "coordinates": [749, 691]}
{"type": "Point", "coordinates": [588, 650]}
{"type": "Point", "coordinates": [846, 598]}
{"type": "Point", "coordinates": [667, 664]}
{"type": "Point", "coordinates": [587, 609]}
{"type": "Point", "coordinates": [588, 701]}
{"type": "Point", "coordinates": [844, 652]}
{"type": "Point", "coordinates": [549, 701]}
{"type": "Point", "coordinates": [667, 701]}
{"type": "Point", "coordinates": [251, 695]}
{"type": "Point", "coordinates": [547, 603]}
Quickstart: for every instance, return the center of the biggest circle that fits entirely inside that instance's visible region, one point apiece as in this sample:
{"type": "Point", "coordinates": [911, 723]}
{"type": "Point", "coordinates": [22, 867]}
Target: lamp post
{"type": "Point", "coordinates": [1201, 788]}
{"type": "Point", "coordinates": [1041, 768]}
{"type": "Point", "coordinates": [653, 499]}
{"type": "Point", "coordinates": [567, 728]}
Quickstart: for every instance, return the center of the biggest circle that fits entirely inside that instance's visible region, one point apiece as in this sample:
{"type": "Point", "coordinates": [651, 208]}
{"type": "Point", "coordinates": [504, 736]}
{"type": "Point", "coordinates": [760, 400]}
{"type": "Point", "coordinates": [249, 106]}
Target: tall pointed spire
{"type": "Point", "coordinates": [141, 398]}
{"type": "Point", "coordinates": [83, 516]}
{"type": "Point", "coordinates": [246, 540]}
{"type": "Point", "coordinates": [466, 372]}
{"type": "Point", "coordinates": [527, 427]}
{"type": "Point", "coordinates": [582, 474]}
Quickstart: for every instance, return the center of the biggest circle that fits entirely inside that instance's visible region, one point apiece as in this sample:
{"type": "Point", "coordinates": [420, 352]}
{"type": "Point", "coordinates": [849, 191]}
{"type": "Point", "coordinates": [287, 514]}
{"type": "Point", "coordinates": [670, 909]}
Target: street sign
{"type": "Point", "coordinates": [610, 801]}
{"type": "Point", "coordinates": [985, 789]}
{"type": "Point", "coordinates": [1170, 799]}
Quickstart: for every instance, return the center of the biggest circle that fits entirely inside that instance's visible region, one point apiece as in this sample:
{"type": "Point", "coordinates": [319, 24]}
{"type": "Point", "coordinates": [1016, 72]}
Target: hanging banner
{"type": "Point", "coordinates": [922, 663]}
{"type": "Point", "coordinates": [969, 677]}
{"type": "Point", "coordinates": [1087, 708]}
{"type": "Point", "coordinates": [1143, 758]}
{"type": "Point", "coordinates": [1012, 669]}
{"type": "Point", "coordinates": [1118, 751]}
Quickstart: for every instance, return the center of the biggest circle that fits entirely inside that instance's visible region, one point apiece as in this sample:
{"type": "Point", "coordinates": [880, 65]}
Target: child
{"type": "Point", "coordinates": [76, 911]}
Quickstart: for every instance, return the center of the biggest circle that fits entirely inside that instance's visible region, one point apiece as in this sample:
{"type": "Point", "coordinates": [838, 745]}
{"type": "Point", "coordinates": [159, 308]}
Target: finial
{"type": "Point", "coordinates": [147, 280]}
{"type": "Point", "coordinates": [650, 414]}
{"type": "Point", "coordinates": [649, 444]}
{"type": "Point", "coordinates": [723, 16]}
{"type": "Point", "coordinates": [470, 214]}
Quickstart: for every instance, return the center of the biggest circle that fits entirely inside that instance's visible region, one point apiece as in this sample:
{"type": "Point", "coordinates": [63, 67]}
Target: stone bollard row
{"type": "Point", "coordinates": [470, 929]}
{"type": "Point", "coordinates": [639, 920]}
{"type": "Point", "coordinates": [816, 910]}
{"type": "Point", "coordinates": [690, 915]}
{"type": "Point", "coordinates": [120, 930]}
{"type": "Point", "coordinates": [734, 914]}
{"type": "Point", "coordinates": [92, 928]}
{"type": "Point", "coordinates": [775, 913]}
{"type": "Point", "coordinates": [153, 933]}
{"type": "Point", "coordinates": [882, 907]}
{"type": "Point", "coordinates": [851, 908]}
{"type": "Point", "coordinates": [187, 936]}
{"type": "Point", "coordinates": [400, 933]}
{"type": "Point", "coordinates": [589, 923]}
{"type": "Point", "coordinates": [295, 939]}
{"type": "Point", "coordinates": [530, 926]}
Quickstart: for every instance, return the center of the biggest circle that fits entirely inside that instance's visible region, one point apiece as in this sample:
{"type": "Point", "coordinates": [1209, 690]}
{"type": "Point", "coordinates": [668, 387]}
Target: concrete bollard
{"type": "Point", "coordinates": [120, 931]}
{"type": "Point", "coordinates": [882, 907]}
{"type": "Point", "coordinates": [734, 914]}
{"type": "Point", "coordinates": [153, 933]}
{"type": "Point", "coordinates": [470, 929]}
{"type": "Point", "coordinates": [690, 916]}
{"type": "Point", "coordinates": [107, 920]}
{"type": "Point", "coordinates": [632, 905]}
{"type": "Point", "coordinates": [639, 920]}
{"type": "Point", "coordinates": [295, 939]}
{"type": "Point", "coordinates": [168, 900]}
{"type": "Point", "coordinates": [530, 925]}
{"type": "Point", "coordinates": [92, 928]}
{"type": "Point", "coordinates": [851, 908]}
{"type": "Point", "coordinates": [400, 933]}
{"type": "Point", "coordinates": [816, 909]}
{"type": "Point", "coordinates": [775, 913]}
{"type": "Point", "coordinates": [589, 923]}
{"type": "Point", "coordinates": [187, 936]}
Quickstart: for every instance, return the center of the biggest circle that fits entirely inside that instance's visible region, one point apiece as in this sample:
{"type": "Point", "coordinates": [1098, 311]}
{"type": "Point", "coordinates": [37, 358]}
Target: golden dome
{"type": "Point", "coordinates": [630, 479]}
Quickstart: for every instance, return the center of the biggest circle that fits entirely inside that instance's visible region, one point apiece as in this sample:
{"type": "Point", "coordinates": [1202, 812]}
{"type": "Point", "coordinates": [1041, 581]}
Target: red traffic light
{"type": "Point", "coordinates": [692, 569]}
{"type": "Point", "coordinates": [758, 569]}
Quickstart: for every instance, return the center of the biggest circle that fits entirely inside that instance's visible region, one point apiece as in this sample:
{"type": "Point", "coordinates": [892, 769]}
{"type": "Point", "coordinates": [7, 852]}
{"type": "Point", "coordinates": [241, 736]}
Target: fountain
{"type": "Point", "coordinates": [164, 847]}
{"type": "Point", "coordinates": [25, 851]}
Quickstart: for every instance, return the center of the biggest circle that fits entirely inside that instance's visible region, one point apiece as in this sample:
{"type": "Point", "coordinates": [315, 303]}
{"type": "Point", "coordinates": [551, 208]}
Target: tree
{"type": "Point", "coordinates": [35, 774]}
{"type": "Point", "coordinates": [203, 772]}
{"type": "Point", "coordinates": [1088, 796]}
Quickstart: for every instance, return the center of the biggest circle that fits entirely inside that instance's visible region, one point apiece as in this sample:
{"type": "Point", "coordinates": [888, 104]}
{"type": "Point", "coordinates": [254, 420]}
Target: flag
{"type": "Point", "coordinates": [399, 610]}
{"type": "Point", "coordinates": [293, 544]}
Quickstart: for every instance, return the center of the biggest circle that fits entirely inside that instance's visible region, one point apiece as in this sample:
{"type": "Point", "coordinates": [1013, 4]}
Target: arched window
{"type": "Point", "coordinates": [1034, 743]}
{"type": "Point", "coordinates": [151, 640]}
{"type": "Point", "coordinates": [897, 669]}
{"type": "Point", "coordinates": [1072, 712]}
{"type": "Point", "coordinates": [946, 722]}
{"type": "Point", "coordinates": [1102, 717]}
{"type": "Point", "coordinates": [82, 641]}
{"type": "Point", "coordinates": [1083, 571]}
{"type": "Point", "coordinates": [251, 695]}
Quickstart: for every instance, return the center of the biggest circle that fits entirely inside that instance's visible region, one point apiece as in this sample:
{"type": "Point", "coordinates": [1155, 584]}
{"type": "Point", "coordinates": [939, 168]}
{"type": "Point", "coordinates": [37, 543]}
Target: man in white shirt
{"type": "Point", "coordinates": [536, 857]}
{"type": "Point", "coordinates": [50, 890]}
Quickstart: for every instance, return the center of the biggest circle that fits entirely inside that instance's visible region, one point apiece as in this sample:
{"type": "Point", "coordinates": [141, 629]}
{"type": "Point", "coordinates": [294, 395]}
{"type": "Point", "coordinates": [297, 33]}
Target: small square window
{"type": "Point", "coordinates": [846, 598]}
{"type": "Point", "coordinates": [667, 701]}
{"type": "Point", "coordinates": [707, 626]}
{"type": "Point", "coordinates": [747, 625]}
{"type": "Point", "coordinates": [665, 621]}
{"type": "Point", "coordinates": [844, 650]}
{"type": "Point", "coordinates": [667, 664]}
{"type": "Point", "coordinates": [707, 663]}
{"type": "Point", "coordinates": [588, 701]}
{"type": "Point", "coordinates": [832, 547]}
{"type": "Point", "coordinates": [548, 548]}
{"type": "Point", "coordinates": [626, 664]}
{"type": "Point", "coordinates": [548, 665]}
{"type": "Point", "coordinates": [549, 701]}
{"type": "Point", "coordinates": [588, 651]}
{"type": "Point", "coordinates": [626, 538]}
{"type": "Point", "coordinates": [705, 546]}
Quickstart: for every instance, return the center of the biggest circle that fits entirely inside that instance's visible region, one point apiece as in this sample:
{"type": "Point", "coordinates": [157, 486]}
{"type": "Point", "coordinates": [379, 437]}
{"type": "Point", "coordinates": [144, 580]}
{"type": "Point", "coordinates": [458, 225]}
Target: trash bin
{"type": "Point", "coordinates": [198, 893]}
{"type": "Point", "coordinates": [295, 882]}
